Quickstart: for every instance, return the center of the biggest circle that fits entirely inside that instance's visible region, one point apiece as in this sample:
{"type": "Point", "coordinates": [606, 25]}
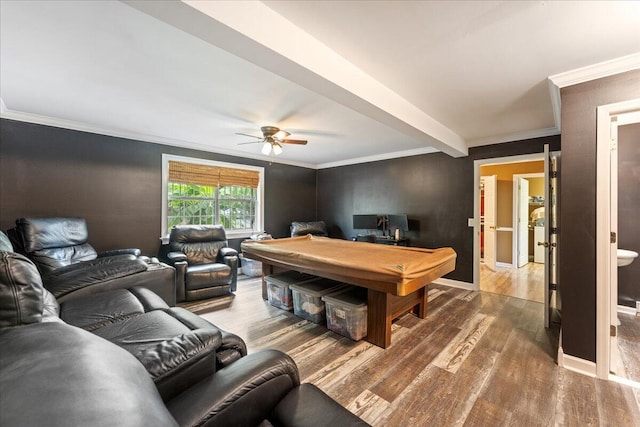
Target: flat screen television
{"type": "Point", "coordinates": [398, 221]}
{"type": "Point", "coordinates": [365, 222]}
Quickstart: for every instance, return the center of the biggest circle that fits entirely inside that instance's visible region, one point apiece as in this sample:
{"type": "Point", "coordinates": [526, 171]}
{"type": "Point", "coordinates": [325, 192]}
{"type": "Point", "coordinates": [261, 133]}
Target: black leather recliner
{"type": "Point", "coordinates": [316, 228]}
{"type": "Point", "coordinates": [206, 266]}
{"type": "Point", "coordinates": [71, 267]}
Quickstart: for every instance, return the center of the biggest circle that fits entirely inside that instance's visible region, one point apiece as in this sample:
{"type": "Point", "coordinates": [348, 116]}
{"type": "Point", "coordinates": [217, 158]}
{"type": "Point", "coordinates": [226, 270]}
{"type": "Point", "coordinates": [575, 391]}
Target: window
{"type": "Point", "coordinates": [198, 191]}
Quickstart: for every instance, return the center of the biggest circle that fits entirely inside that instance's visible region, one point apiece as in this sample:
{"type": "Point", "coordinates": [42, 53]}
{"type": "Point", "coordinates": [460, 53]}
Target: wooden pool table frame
{"type": "Point", "coordinates": [384, 302]}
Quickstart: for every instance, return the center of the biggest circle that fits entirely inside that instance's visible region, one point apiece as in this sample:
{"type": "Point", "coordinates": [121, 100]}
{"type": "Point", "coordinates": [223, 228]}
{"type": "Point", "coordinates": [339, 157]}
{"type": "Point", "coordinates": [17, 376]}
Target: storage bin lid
{"type": "Point", "coordinates": [352, 296]}
{"type": "Point", "coordinates": [290, 277]}
{"type": "Point", "coordinates": [318, 287]}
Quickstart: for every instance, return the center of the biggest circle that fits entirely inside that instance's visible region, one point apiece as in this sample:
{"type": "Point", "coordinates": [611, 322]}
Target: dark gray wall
{"type": "Point", "coordinates": [434, 190]}
{"type": "Point", "coordinates": [577, 244]}
{"type": "Point", "coordinates": [115, 184]}
{"type": "Point", "coordinates": [628, 210]}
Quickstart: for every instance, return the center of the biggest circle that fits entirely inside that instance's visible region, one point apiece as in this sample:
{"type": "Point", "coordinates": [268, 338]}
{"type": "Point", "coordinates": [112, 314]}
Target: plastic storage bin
{"type": "Point", "coordinates": [250, 267]}
{"type": "Point", "coordinates": [347, 312]}
{"type": "Point", "coordinates": [278, 287]}
{"type": "Point", "coordinates": [307, 298]}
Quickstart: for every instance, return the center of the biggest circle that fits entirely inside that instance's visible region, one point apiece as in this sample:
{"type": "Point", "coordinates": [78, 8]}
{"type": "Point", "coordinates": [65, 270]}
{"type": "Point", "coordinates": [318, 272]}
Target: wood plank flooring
{"type": "Point", "coordinates": [526, 282]}
{"type": "Point", "coordinates": [478, 359]}
{"type": "Point", "coordinates": [629, 345]}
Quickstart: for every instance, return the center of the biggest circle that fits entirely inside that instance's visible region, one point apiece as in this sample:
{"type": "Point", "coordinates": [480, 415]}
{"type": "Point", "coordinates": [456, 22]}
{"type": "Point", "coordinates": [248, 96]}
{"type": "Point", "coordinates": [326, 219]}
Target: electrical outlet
{"type": "Point", "coordinates": [470, 222]}
{"type": "Point", "coordinates": [637, 308]}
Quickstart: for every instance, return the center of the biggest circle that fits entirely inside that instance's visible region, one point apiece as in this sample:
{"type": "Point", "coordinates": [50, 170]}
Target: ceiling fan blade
{"type": "Point", "coordinates": [250, 142]}
{"type": "Point", "coordinates": [294, 141]}
{"type": "Point", "coordinates": [252, 136]}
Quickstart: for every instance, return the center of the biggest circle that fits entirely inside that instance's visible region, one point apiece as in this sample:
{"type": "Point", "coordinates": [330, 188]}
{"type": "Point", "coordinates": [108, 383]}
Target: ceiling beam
{"type": "Point", "coordinates": [254, 32]}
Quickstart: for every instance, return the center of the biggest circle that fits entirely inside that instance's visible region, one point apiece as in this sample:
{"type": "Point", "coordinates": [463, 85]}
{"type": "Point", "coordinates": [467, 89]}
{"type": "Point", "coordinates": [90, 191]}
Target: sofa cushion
{"type": "Point", "coordinates": [55, 242]}
{"type": "Point", "coordinates": [98, 310]}
{"type": "Point", "coordinates": [54, 374]}
{"type": "Point", "coordinates": [207, 275]}
{"type": "Point", "coordinates": [21, 291]}
{"type": "Point", "coordinates": [174, 352]}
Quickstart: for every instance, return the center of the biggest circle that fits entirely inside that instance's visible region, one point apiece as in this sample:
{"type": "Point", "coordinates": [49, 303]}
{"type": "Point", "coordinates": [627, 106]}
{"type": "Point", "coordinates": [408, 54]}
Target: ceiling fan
{"type": "Point", "coordinates": [272, 140]}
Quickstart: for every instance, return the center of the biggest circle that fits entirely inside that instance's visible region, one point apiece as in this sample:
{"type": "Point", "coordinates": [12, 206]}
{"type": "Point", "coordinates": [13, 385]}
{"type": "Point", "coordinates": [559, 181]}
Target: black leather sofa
{"type": "Point", "coordinates": [132, 361]}
{"type": "Point", "coordinates": [71, 267]}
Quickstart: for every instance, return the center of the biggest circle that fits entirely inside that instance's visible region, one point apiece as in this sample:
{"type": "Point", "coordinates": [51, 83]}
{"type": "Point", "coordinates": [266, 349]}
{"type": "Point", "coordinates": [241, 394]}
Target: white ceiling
{"type": "Point", "coordinates": [361, 80]}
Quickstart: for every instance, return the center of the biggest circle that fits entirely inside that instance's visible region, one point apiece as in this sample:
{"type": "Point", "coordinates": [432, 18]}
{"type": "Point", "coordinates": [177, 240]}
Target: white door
{"type": "Point", "coordinates": [550, 243]}
{"type": "Point", "coordinates": [490, 221]}
{"type": "Point", "coordinates": [613, 252]}
{"type": "Point", "coordinates": [523, 221]}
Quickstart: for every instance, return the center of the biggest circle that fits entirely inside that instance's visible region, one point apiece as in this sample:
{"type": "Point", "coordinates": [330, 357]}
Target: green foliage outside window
{"type": "Point", "coordinates": [198, 204]}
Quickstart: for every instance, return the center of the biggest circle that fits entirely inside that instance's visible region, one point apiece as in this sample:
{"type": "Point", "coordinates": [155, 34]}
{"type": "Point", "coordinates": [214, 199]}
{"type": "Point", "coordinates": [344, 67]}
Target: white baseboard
{"type": "Point", "coordinates": [504, 265]}
{"type": "Point", "coordinates": [626, 310]}
{"type": "Point", "coordinates": [575, 364]}
{"type": "Point", "coordinates": [455, 284]}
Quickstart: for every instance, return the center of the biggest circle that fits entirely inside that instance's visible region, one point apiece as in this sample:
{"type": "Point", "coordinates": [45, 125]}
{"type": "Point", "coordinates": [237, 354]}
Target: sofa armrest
{"type": "Point", "coordinates": [174, 257]}
{"type": "Point", "coordinates": [68, 279]}
{"type": "Point", "coordinates": [232, 262]}
{"type": "Point", "coordinates": [243, 393]}
{"type": "Point", "coordinates": [225, 252]}
{"type": "Point", "coordinates": [127, 251]}
{"type": "Point", "coordinates": [308, 406]}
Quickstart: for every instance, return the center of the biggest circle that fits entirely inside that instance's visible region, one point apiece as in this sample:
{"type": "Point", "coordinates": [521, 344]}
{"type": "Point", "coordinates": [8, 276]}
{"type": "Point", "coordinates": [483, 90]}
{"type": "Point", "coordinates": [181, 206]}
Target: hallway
{"type": "Point", "coordinates": [526, 282]}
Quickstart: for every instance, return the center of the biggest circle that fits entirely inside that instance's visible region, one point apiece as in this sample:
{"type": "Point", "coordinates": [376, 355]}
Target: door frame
{"type": "Point", "coordinates": [476, 202]}
{"type": "Point", "coordinates": [609, 115]}
{"type": "Point", "coordinates": [515, 210]}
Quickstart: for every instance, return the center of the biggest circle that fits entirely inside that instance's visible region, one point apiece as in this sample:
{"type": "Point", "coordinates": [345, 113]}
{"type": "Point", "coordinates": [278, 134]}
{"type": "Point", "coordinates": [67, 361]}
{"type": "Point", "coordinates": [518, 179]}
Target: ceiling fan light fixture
{"type": "Point", "coordinates": [281, 134]}
{"type": "Point", "coordinates": [277, 149]}
{"type": "Point", "coordinates": [266, 148]}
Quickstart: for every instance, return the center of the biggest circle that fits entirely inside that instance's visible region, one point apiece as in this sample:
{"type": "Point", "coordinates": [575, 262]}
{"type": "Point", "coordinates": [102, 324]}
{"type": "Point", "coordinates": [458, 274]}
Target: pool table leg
{"type": "Point", "coordinates": [266, 271]}
{"type": "Point", "coordinates": [378, 318]}
{"type": "Point", "coordinates": [383, 308]}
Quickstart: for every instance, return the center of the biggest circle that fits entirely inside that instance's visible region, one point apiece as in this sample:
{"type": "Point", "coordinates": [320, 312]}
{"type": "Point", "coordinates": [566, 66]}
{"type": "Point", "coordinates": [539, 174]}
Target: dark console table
{"type": "Point", "coordinates": [372, 238]}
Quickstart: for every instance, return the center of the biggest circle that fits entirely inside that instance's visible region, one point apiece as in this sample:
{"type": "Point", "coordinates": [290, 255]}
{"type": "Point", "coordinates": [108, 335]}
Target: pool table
{"type": "Point", "coordinates": [396, 277]}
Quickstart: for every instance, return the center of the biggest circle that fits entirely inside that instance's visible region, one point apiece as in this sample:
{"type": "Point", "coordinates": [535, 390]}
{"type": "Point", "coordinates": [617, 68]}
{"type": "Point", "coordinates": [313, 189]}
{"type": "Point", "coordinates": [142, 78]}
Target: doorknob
{"type": "Point", "coordinates": [547, 244]}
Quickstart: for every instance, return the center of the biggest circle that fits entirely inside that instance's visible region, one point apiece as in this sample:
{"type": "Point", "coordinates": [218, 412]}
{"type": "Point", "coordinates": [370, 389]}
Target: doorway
{"type": "Point", "coordinates": [618, 201]}
{"type": "Point", "coordinates": [511, 204]}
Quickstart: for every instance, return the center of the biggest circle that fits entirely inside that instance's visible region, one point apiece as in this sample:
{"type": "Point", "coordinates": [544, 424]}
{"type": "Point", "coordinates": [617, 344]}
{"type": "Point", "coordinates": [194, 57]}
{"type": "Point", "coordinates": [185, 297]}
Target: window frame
{"type": "Point", "coordinates": [231, 234]}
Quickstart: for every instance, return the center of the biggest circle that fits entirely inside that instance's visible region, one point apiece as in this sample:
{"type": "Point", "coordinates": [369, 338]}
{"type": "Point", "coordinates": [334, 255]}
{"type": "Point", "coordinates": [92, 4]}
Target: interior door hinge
{"type": "Point", "coordinates": [613, 330]}
{"type": "Point", "coordinates": [614, 237]}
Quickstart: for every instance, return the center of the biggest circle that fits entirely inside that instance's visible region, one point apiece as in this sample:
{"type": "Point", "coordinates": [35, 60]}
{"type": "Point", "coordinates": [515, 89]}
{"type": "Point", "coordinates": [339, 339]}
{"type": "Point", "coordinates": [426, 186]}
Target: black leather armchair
{"type": "Point", "coordinates": [71, 267]}
{"type": "Point", "coordinates": [317, 228]}
{"type": "Point", "coordinates": [206, 266]}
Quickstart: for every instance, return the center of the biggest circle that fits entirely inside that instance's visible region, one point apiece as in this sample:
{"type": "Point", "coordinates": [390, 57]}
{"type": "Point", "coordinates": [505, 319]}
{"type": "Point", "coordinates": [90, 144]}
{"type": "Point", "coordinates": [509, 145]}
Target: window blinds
{"type": "Point", "coordinates": [192, 173]}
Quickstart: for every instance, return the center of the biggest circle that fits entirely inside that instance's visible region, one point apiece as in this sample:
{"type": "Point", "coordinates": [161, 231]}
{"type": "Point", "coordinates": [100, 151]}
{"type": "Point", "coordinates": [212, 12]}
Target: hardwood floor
{"type": "Point", "coordinates": [526, 282]}
{"type": "Point", "coordinates": [478, 359]}
{"type": "Point", "coordinates": [629, 345]}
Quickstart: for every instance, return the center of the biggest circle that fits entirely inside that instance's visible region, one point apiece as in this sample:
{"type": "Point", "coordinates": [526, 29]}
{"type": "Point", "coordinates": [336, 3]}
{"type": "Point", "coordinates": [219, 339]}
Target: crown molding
{"type": "Point", "coordinates": [585, 74]}
{"type": "Point", "coordinates": [6, 113]}
{"type": "Point", "coordinates": [518, 136]}
{"type": "Point", "coordinates": [377, 157]}
{"type": "Point", "coordinates": [596, 71]}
